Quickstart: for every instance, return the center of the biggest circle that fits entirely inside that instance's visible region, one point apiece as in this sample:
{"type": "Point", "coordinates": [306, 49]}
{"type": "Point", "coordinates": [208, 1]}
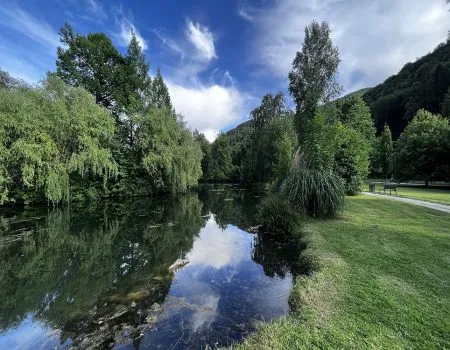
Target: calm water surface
{"type": "Point", "coordinates": [103, 276]}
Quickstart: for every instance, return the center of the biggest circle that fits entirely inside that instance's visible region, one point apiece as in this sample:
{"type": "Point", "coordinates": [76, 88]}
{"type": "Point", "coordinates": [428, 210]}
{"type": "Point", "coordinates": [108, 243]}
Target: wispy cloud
{"type": "Point", "coordinates": [375, 38]}
{"type": "Point", "coordinates": [96, 9]}
{"type": "Point", "coordinates": [169, 43]}
{"type": "Point", "coordinates": [202, 39]}
{"type": "Point", "coordinates": [126, 28]}
{"type": "Point", "coordinates": [35, 29]}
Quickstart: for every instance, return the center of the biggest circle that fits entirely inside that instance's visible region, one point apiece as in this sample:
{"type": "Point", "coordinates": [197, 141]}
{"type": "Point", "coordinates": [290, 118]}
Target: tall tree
{"type": "Point", "coordinates": [136, 86]}
{"type": "Point", "coordinates": [423, 149]}
{"type": "Point", "coordinates": [93, 63]}
{"type": "Point", "coordinates": [386, 152]}
{"type": "Point", "coordinates": [160, 92]}
{"type": "Point", "coordinates": [312, 78]}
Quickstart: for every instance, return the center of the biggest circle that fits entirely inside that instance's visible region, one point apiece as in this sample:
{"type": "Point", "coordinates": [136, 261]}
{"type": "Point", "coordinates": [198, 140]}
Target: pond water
{"type": "Point", "coordinates": [166, 273]}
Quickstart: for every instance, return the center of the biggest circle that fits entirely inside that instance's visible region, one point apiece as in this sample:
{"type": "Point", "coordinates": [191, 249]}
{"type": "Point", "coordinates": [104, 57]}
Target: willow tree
{"type": "Point", "coordinates": [51, 134]}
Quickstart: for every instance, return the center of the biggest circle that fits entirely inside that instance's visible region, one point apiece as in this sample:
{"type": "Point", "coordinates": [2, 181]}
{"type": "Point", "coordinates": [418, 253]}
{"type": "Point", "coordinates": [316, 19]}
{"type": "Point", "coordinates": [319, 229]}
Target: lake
{"type": "Point", "coordinates": [159, 273]}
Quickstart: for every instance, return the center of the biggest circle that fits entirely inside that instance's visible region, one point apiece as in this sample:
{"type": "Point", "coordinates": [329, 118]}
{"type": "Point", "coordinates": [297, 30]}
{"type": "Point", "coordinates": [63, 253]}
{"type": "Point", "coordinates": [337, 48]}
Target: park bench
{"type": "Point", "coordinates": [390, 187]}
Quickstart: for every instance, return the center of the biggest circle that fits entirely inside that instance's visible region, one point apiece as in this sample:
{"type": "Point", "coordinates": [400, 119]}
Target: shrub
{"type": "Point", "coordinates": [277, 215]}
{"type": "Point", "coordinates": [316, 192]}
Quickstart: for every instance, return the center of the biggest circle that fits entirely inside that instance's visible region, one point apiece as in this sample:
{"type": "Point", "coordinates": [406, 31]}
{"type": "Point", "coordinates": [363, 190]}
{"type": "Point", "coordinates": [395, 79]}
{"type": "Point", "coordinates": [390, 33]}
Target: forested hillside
{"type": "Point", "coordinates": [421, 84]}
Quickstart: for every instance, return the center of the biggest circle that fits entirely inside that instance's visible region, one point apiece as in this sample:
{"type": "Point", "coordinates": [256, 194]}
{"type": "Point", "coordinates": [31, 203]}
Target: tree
{"type": "Point", "coordinates": [170, 154]}
{"type": "Point", "coordinates": [312, 78]}
{"type": "Point", "coordinates": [93, 63]}
{"type": "Point", "coordinates": [222, 161]}
{"type": "Point", "coordinates": [386, 152]}
{"type": "Point", "coordinates": [271, 107]}
{"type": "Point", "coordinates": [160, 93]}
{"type": "Point", "coordinates": [445, 107]}
{"type": "Point", "coordinates": [206, 150]}
{"type": "Point", "coordinates": [135, 87]}
{"type": "Point", "coordinates": [423, 149]}
{"type": "Point", "coordinates": [52, 136]}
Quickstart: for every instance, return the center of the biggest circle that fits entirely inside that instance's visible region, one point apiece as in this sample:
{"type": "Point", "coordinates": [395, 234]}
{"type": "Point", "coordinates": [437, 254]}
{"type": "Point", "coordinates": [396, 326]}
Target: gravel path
{"type": "Point", "coordinates": [435, 206]}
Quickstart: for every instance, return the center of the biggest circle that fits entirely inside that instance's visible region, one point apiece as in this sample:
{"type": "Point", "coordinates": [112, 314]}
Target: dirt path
{"type": "Point", "coordinates": [435, 206]}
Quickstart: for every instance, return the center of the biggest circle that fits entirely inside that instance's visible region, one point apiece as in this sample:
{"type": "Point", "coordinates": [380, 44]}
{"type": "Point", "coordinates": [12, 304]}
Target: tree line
{"type": "Point", "coordinates": [99, 126]}
{"type": "Point", "coordinates": [311, 157]}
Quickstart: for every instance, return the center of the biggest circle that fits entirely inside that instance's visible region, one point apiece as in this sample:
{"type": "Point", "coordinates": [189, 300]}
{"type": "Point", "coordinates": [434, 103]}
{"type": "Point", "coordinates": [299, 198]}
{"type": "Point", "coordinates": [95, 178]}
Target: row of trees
{"type": "Point", "coordinates": [98, 126]}
{"type": "Point", "coordinates": [421, 152]}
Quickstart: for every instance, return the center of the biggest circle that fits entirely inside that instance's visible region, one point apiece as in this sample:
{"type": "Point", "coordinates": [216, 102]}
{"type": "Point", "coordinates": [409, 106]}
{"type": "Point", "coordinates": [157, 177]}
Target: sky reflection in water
{"type": "Point", "coordinates": [106, 278]}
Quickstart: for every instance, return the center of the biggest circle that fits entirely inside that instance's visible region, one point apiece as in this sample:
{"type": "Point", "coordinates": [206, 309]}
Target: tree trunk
{"type": "Point", "coordinates": [426, 181]}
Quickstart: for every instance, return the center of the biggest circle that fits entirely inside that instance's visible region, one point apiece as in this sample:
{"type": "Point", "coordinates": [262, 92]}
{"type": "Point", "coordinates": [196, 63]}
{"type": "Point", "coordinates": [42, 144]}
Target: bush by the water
{"type": "Point", "coordinates": [276, 215]}
{"type": "Point", "coordinates": [314, 192]}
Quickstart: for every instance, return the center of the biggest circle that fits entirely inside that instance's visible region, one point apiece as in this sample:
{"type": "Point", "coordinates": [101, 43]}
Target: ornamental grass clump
{"type": "Point", "coordinates": [276, 215]}
{"type": "Point", "coordinates": [315, 192]}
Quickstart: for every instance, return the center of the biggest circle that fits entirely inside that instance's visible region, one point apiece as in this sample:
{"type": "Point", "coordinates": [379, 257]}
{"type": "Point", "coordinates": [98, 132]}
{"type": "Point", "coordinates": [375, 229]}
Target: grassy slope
{"type": "Point", "coordinates": [383, 282]}
{"type": "Point", "coordinates": [430, 195]}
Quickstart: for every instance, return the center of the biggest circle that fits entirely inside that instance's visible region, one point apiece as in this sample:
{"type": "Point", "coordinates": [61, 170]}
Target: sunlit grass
{"type": "Point", "coordinates": [382, 282]}
{"type": "Point", "coordinates": [425, 194]}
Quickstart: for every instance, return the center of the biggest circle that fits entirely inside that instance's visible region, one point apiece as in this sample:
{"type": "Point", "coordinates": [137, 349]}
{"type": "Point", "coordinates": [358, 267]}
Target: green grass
{"type": "Point", "coordinates": [425, 194]}
{"type": "Point", "coordinates": [382, 281]}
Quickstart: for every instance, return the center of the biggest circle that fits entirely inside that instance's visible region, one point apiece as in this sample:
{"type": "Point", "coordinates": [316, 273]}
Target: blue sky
{"type": "Point", "coordinates": [220, 57]}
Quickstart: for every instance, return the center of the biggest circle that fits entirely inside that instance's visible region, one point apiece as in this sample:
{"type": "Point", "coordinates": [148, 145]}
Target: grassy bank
{"type": "Point", "coordinates": [382, 282]}
{"type": "Point", "coordinates": [424, 194]}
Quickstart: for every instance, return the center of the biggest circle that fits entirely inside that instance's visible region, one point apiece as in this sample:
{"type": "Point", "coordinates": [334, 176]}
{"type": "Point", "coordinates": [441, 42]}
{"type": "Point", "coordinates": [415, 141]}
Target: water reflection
{"type": "Point", "coordinates": [100, 276]}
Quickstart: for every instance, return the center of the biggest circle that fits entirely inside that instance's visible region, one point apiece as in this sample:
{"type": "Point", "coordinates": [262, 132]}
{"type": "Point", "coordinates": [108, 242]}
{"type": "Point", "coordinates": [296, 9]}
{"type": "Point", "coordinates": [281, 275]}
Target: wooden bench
{"type": "Point", "coordinates": [390, 187]}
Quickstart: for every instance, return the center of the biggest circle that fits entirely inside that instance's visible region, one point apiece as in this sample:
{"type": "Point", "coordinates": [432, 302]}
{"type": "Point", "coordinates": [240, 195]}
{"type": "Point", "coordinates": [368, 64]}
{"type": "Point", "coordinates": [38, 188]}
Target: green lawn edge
{"type": "Point", "coordinates": [381, 280]}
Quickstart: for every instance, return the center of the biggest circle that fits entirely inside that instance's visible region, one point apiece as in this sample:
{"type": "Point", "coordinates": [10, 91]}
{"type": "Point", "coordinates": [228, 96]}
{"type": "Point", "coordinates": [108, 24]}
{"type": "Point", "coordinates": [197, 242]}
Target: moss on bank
{"type": "Point", "coordinates": [381, 280]}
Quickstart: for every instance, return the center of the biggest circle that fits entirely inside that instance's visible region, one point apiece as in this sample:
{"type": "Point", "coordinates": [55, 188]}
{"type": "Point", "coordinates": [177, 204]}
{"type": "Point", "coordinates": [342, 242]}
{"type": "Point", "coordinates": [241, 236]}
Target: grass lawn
{"type": "Point", "coordinates": [430, 195]}
{"type": "Point", "coordinates": [382, 281]}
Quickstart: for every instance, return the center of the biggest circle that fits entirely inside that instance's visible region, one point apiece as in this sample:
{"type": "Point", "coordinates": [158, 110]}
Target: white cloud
{"type": "Point", "coordinates": [202, 39]}
{"type": "Point", "coordinates": [375, 38]}
{"type": "Point", "coordinates": [32, 27]}
{"type": "Point", "coordinates": [208, 109]}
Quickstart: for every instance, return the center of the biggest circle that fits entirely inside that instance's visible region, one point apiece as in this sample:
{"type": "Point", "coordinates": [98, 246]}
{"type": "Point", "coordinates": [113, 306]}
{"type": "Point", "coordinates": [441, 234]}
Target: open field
{"type": "Point", "coordinates": [425, 194]}
{"type": "Point", "coordinates": [381, 281]}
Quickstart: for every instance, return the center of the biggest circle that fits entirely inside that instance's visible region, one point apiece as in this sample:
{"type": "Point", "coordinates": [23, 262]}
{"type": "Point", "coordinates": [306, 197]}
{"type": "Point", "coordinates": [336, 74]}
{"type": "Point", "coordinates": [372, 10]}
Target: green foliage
{"type": "Point", "coordinates": [316, 192]}
{"type": "Point", "coordinates": [92, 62]}
{"type": "Point", "coordinates": [276, 215]}
{"type": "Point", "coordinates": [445, 107]}
{"type": "Point", "coordinates": [160, 93]}
{"type": "Point", "coordinates": [50, 135]}
{"type": "Point", "coordinates": [271, 107]}
{"type": "Point", "coordinates": [312, 78]}
{"type": "Point", "coordinates": [205, 146]}
{"type": "Point", "coordinates": [423, 149]}
{"type": "Point", "coordinates": [269, 157]}
{"type": "Point", "coordinates": [421, 84]}
{"type": "Point", "coordinates": [152, 155]}
{"type": "Point", "coordinates": [351, 159]}
{"type": "Point", "coordinates": [385, 152]}
{"type": "Point", "coordinates": [222, 162]}
{"type": "Point", "coordinates": [170, 154]}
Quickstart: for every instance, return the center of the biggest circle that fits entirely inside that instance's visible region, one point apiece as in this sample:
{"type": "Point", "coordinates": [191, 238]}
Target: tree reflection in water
{"type": "Point", "coordinates": [101, 273]}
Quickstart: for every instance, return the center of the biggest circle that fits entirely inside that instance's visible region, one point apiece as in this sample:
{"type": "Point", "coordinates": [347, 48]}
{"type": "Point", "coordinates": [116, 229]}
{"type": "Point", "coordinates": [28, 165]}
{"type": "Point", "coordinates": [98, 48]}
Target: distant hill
{"type": "Point", "coordinates": [421, 84]}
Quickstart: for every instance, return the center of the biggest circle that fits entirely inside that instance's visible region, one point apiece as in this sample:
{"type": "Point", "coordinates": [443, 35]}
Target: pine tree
{"type": "Point", "coordinates": [160, 93]}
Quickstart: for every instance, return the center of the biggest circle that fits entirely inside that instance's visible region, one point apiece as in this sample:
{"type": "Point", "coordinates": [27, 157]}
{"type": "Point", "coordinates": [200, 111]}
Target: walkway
{"type": "Point", "coordinates": [441, 207]}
